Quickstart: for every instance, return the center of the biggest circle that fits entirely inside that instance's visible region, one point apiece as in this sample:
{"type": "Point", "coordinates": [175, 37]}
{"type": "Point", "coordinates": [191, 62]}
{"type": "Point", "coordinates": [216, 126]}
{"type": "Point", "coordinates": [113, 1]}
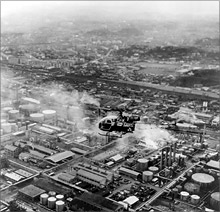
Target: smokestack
{"type": "Point", "coordinates": [161, 160]}
{"type": "Point", "coordinates": [170, 156]}
{"type": "Point", "coordinates": [174, 152]}
{"type": "Point", "coordinates": [166, 157]}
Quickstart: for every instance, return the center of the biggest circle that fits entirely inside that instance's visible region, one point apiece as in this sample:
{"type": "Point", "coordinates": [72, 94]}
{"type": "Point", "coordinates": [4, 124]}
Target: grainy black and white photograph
{"type": "Point", "coordinates": [110, 106]}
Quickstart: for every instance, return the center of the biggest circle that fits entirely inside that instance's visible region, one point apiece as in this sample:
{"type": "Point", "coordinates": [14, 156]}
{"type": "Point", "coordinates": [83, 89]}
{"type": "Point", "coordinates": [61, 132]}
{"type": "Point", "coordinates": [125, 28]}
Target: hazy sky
{"type": "Point", "coordinates": [165, 7]}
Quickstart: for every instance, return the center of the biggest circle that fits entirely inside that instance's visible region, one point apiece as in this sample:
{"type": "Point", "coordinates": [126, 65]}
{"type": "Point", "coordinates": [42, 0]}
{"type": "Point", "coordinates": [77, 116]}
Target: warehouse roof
{"type": "Point", "coordinates": [131, 200]}
{"type": "Point", "coordinates": [32, 191]}
{"type": "Point", "coordinates": [91, 175]}
{"type": "Point", "coordinates": [60, 156]}
{"type": "Point", "coordinates": [129, 171]}
{"type": "Point", "coordinates": [14, 176]}
{"type": "Point", "coordinates": [10, 147]}
{"type": "Point", "coordinates": [38, 154]}
{"type": "Point", "coordinates": [23, 173]}
{"type": "Point", "coordinates": [66, 177]}
{"type": "Point", "coordinates": [116, 157]}
{"type": "Point", "coordinates": [214, 164]}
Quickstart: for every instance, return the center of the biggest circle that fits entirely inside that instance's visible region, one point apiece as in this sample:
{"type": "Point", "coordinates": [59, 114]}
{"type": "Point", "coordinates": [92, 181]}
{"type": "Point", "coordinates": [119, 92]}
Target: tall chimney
{"type": "Point", "coordinates": [174, 152]}
{"type": "Point", "coordinates": [166, 155]}
{"type": "Point", "coordinates": [161, 160]}
{"type": "Point", "coordinates": [170, 156]}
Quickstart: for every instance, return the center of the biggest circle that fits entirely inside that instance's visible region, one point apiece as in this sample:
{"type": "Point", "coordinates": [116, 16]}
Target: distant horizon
{"type": "Point", "coordinates": [209, 8]}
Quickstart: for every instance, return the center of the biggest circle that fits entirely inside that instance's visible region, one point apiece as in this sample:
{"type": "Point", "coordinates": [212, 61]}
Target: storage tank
{"type": "Point", "coordinates": [189, 173]}
{"type": "Point", "coordinates": [6, 128]}
{"type": "Point", "coordinates": [215, 200]}
{"type": "Point", "coordinates": [142, 164]}
{"type": "Point", "coordinates": [38, 117]}
{"type": "Point", "coordinates": [14, 127]}
{"type": "Point", "coordinates": [153, 169]}
{"type": "Point", "coordinates": [49, 114]}
{"type": "Point", "coordinates": [203, 179]}
{"type": "Point", "coordinates": [52, 193]}
{"type": "Point", "coordinates": [166, 172]}
{"type": "Point", "coordinates": [175, 192]}
{"type": "Point", "coordinates": [195, 199]}
{"type": "Point", "coordinates": [29, 108]}
{"type": "Point", "coordinates": [13, 114]}
{"type": "Point", "coordinates": [59, 206]}
{"type": "Point", "coordinates": [147, 176]}
{"type": "Point", "coordinates": [44, 198]}
{"type": "Point", "coordinates": [6, 109]}
{"type": "Point", "coordinates": [184, 195]}
{"type": "Point", "coordinates": [60, 197]}
{"type": "Point", "coordinates": [192, 188]}
{"type": "Point", "coordinates": [51, 202]}
{"type": "Point", "coordinates": [180, 151]}
{"type": "Point", "coordinates": [179, 188]}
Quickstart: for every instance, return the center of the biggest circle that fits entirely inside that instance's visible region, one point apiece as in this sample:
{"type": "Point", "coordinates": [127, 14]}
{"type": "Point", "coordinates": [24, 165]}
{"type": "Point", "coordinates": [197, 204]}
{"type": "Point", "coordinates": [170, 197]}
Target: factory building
{"type": "Point", "coordinates": [95, 202]}
{"type": "Point", "coordinates": [61, 157]}
{"type": "Point", "coordinates": [129, 173]}
{"type": "Point", "coordinates": [94, 175]}
{"type": "Point", "coordinates": [68, 178]}
{"type": "Point", "coordinates": [12, 151]}
{"type": "Point", "coordinates": [31, 192]}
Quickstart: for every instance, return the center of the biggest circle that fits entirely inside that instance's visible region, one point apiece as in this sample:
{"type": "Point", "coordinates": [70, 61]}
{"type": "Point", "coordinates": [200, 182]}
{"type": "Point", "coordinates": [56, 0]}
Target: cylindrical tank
{"type": "Point", "coordinates": [6, 128]}
{"type": "Point", "coordinates": [142, 164]}
{"type": "Point", "coordinates": [44, 198]}
{"type": "Point", "coordinates": [7, 109]}
{"type": "Point", "coordinates": [175, 192]}
{"type": "Point", "coordinates": [147, 176]}
{"type": "Point", "coordinates": [192, 188]}
{"type": "Point", "coordinates": [180, 151]}
{"type": "Point", "coordinates": [179, 188]}
{"type": "Point", "coordinates": [49, 114]}
{"type": "Point", "coordinates": [52, 193]}
{"type": "Point", "coordinates": [166, 172]}
{"type": "Point", "coordinates": [13, 114]}
{"type": "Point", "coordinates": [153, 169]}
{"type": "Point", "coordinates": [215, 201]}
{"type": "Point", "coordinates": [51, 202]}
{"type": "Point", "coordinates": [184, 195]}
{"type": "Point", "coordinates": [14, 127]}
{"type": "Point", "coordinates": [203, 179]}
{"type": "Point", "coordinates": [59, 197]}
{"type": "Point", "coordinates": [195, 199]}
{"type": "Point", "coordinates": [59, 206]}
{"type": "Point", "coordinates": [38, 117]}
{"type": "Point", "coordinates": [189, 173]}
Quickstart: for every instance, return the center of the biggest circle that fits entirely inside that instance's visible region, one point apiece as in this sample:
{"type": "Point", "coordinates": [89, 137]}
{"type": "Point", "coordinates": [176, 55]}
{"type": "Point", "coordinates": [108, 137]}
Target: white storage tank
{"type": "Point", "coordinates": [52, 193]}
{"type": "Point", "coordinates": [6, 128]}
{"type": "Point", "coordinates": [153, 169]}
{"type": "Point", "coordinates": [60, 197]}
{"type": "Point", "coordinates": [13, 114]}
{"type": "Point", "coordinates": [7, 109]}
{"type": "Point", "coordinates": [215, 200]}
{"type": "Point", "coordinates": [44, 198]}
{"type": "Point", "coordinates": [49, 114]}
{"type": "Point", "coordinates": [59, 206]}
{"type": "Point", "coordinates": [195, 199]}
{"type": "Point", "coordinates": [51, 202]}
{"type": "Point", "coordinates": [184, 195]}
{"type": "Point", "coordinates": [38, 117]}
{"type": "Point", "coordinates": [147, 176]}
{"type": "Point", "coordinates": [142, 164]}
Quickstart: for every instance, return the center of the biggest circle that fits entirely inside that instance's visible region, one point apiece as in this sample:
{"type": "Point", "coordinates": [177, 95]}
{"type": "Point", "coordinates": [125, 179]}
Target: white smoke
{"type": "Point", "coordinates": [148, 136]}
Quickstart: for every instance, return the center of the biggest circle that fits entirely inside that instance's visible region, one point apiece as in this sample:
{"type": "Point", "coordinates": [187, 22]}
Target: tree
{"type": "Point", "coordinates": [14, 207]}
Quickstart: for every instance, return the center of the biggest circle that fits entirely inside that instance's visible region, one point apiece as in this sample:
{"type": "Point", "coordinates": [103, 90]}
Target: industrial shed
{"type": "Point", "coordinates": [66, 177]}
{"type": "Point", "coordinates": [31, 192]}
{"type": "Point", "coordinates": [59, 157]}
{"type": "Point", "coordinates": [129, 173]}
{"type": "Point", "coordinates": [131, 200]}
{"type": "Point", "coordinates": [213, 164]}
